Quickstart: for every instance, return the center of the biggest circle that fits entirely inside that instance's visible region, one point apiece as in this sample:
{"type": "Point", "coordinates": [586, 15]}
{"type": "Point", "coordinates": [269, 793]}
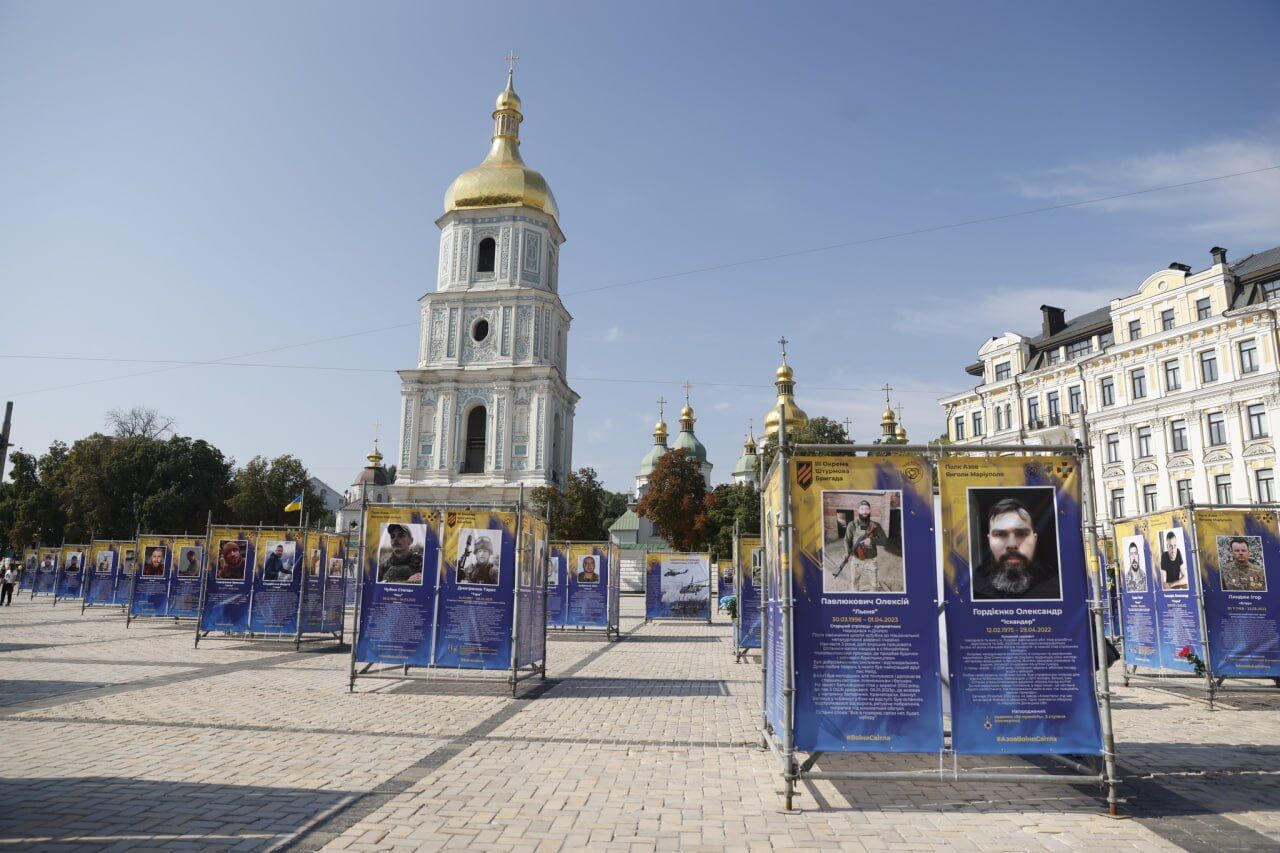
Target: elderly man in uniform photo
{"type": "Point", "coordinates": [231, 562]}
{"type": "Point", "coordinates": [863, 538]}
{"type": "Point", "coordinates": [481, 568]}
{"type": "Point", "coordinates": [1135, 580]}
{"type": "Point", "coordinates": [1242, 574]}
{"type": "Point", "coordinates": [404, 563]}
{"type": "Point", "coordinates": [1012, 571]}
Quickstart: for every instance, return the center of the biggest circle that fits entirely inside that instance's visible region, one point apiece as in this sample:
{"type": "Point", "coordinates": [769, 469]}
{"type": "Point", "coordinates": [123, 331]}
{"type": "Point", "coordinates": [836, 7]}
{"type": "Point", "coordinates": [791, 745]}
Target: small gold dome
{"type": "Point", "coordinates": [901, 433]}
{"type": "Point", "coordinates": [887, 417]}
{"type": "Point", "coordinates": [508, 100]}
{"type": "Point", "coordinates": [785, 373]}
{"type": "Point", "coordinates": [686, 413]}
{"type": "Point", "coordinates": [660, 429]}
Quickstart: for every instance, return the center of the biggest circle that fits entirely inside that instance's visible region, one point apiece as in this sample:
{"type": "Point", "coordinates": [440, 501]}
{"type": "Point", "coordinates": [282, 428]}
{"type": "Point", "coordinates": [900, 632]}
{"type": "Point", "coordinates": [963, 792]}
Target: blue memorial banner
{"type": "Point", "coordinates": [587, 587]}
{"type": "Point", "coordinates": [557, 578]}
{"type": "Point", "coordinates": [1018, 625]}
{"type": "Point", "coordinates": [775, 575]}
{"type": "Point", "coordinates": [748, 560]}
{"type": "Point", "coordinates": [228, 580]}
{"type": "Point", "coordinates": [188, 577]}
{"type": "Point", "coordinates": [150, 592]}
{"type": "Point", "coordinates": [46, 579]}
{"type": "Point", "coordinates": [724, 575]}
{"type": "Point", "coordinates": [337, 570]}
{"type": "Point", "coordinates": [30, 565]}
{"type": "Point", "coordinates": [71, 571]}
{"type": "Point", "coordinates": [398, 595]}
{"type": "Point", "coordinates": [531, 611]}
{"type": "Point", "coordinates": [128, 572]}
{"type": "Point", "coordinates": [311, 619]}
{"type": "Point", "coordinates": [865, 599]}
{"type": "Point", "coordinates": [104, 569]}
{"type": "Point", "coordinates": [1239, 554]}
{"type": "Point", "coordinates": [477, 590]}
{"type": "Point", "coordinates": [1138, 619]}
{"type": "Point", "coordinates": [677, 586]}
{"type": "Point", "coordinates": [1174, 590]}
{"type": "Point", "coordinates": [277, 582]}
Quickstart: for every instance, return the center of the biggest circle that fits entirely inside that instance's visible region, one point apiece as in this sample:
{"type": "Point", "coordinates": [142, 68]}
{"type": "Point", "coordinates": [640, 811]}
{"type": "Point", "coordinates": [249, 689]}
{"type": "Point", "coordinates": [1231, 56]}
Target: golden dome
{"type": "Point", "coordinates": [503, 179]}
{"type": "Point", "coordinates": [887, 417]}
{"type": "Point", "coordinates": [785, 373]}
{"type": "Point", "coordinates": [660, 431]}
{"type": "Point", "coordinates": [375, 458]}
{"type": "Point", "coordinates": [901, 433]}
{"type": "Point", "coordinates": [686, 414]}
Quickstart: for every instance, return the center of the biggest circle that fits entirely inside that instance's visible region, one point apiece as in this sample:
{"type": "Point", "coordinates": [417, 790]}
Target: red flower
{"type": "Point", "coordinates": [1184, 652]}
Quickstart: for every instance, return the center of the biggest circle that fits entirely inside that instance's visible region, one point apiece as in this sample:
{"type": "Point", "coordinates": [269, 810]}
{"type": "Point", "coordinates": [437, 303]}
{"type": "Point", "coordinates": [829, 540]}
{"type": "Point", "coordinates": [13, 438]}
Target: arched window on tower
{"type": "Point", "coordinates": [473, 458]}
{"type": "Point", "coordinates": [485, 254]}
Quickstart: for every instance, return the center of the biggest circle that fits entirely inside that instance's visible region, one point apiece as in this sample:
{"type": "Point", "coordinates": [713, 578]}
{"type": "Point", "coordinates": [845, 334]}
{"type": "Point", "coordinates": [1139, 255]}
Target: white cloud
{"type": "Point", "coordinates": [722, 407]}
{"type": "Point", "coordinates": [612, 335]}
{"type": "Point", "coordinates": [1244, 208]}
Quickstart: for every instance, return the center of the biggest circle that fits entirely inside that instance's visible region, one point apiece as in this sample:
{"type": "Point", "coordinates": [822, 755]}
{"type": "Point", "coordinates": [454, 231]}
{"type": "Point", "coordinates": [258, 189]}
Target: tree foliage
{"type": "Point", "coordinates": [138, 422]}
{"type": "Point", "coordinates": [262, 489]}
{"type": "Point", "coordinates": [818, 430]}
{"type": "Point", "coordinates": [677, 502]}
{"type": "Point", "coordinates": [579, 512]}
{"type": "Point", "coordinates": [735, 502]}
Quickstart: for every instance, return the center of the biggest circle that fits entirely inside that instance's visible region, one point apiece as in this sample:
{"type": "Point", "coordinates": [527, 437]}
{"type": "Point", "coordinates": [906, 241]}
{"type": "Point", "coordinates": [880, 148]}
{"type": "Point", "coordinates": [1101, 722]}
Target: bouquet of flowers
{"type": "Point", "coordinates": [1189, 655]}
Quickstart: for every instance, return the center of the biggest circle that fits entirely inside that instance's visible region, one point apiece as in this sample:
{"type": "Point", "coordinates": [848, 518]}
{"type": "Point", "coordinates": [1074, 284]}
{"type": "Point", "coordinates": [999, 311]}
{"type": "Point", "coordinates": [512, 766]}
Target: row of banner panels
{"type": "Point", "coordinates": [677, 586]}
{"type": "Point", "coordinates": [1192, 573]}
{"type": "Point", "coordinates": [268, 582]}
{"type": "Point", "coordinates": [748, 565]}
{"type": "Point", "coordinates": [452, 588]}
{"type": "Point", "coordinates": [865, 642]}
{"type": "Point", "coordinates": [582, 586]}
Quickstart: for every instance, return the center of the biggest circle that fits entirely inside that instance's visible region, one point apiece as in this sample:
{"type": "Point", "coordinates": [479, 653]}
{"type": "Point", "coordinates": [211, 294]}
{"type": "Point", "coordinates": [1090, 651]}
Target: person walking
{"type": "Point", "coordinates": [6, 588]}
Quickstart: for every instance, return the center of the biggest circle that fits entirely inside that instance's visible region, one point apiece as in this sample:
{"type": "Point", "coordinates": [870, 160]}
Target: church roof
{"type": "Point", "coordinates": [651, 459]}
{"type": "Point", "coordinates": [626, 522]}
{"type": "Point", "coordinates": [688, 442]}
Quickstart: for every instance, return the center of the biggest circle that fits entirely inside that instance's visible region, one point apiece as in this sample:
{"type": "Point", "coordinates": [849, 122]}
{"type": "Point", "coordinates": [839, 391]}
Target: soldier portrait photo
{"type": "Point", "coordinates": [190, 558]}
{"type": "Point", "coordinates": [153, 562]}
{"type": "Point", "coordinates": [278, 560]}
{"type": "Point", "coordinates": [105, 563]}
{"type": "Point", "coordinates": [757, 566]}
{"type": "Point", "coordinates": [1240, 565]}
{"type": "Point", "coordinates": [400, 553]}
{"type": "Point", "coordinates": [862, 542]}
{"type": "Point", "coordinates": [479, 558]}
{"type": "Point", "coordinates": [1133, 568]}
{"type": "Point", "coordinates": [587, 572]}
{"type": "Point", "coordinates": [232, 554]}
{"type": "Point", "coordinates": [313, 563]}
{"type": "Point", "coordinates": [335, 567]}
{"type": "Point", "coordinates": [1013, 544]}
{"type": "Point", "coordinates": [1173, 560]}
{"type": "Point", "coordinates": [75, 562]}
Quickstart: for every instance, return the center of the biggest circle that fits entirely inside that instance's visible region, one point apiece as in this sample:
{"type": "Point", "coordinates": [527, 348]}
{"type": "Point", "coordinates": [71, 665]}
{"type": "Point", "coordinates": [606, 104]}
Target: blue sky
{"type": "Point", "coordinates": [200, 181]}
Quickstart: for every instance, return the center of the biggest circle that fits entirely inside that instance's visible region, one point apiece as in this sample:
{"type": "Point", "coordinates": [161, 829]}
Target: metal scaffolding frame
{"type": "Point", "coordinates": [614, 555]}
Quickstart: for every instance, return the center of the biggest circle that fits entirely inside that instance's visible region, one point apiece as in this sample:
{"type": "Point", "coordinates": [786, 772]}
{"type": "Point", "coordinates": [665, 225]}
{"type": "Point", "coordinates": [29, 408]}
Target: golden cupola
{"type": "Point", "coordinates": [503, 179]}
{"type": "Point", "coordinates": [785, 382]}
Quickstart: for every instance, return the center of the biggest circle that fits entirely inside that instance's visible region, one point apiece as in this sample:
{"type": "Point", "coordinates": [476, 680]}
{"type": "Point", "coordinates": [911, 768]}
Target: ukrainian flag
{"type": "Point", "coordinates": [294, 505]}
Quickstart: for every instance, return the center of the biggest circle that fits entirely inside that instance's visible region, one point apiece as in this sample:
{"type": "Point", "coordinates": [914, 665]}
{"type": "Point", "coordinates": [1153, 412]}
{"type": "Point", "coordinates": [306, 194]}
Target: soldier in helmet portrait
{"type": "Point", "coordinates": [478, 559]}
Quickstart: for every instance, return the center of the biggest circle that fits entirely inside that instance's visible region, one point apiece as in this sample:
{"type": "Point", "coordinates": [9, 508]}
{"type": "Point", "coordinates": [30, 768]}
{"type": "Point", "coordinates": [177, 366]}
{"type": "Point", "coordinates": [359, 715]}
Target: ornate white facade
{"type": "Point", "coordinates": [1179, 384]}
{"type": "Point", "coordinates": [487, 409]}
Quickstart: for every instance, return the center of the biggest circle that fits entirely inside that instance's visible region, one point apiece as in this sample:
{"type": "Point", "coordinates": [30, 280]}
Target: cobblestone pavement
{"type": "Point", "coordinates": [129, 739]}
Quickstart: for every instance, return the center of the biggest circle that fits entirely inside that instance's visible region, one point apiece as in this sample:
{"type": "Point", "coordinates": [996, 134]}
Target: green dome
{"type": "Point", "coordinates": [687, 441]}
{"type": "Point", "coordinates": [746, 465]}
{"type": "Point", "coordinates": [651, 459]}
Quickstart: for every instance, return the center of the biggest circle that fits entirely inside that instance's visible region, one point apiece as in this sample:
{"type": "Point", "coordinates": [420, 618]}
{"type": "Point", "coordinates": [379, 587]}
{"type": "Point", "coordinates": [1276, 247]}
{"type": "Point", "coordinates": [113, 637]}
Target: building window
{"type": "Point", "coordinates": [1257, 414]}
{"type": "Point", "coordinates": [485, 251]}
{"type": "Point", "coordinates": [1073, 399]}
{"type": "Point", "coordinates": [1184, 492]}
{"type": "Point", "coordinates": [1107, 390]}
{"type": "Point", "coordinates": [1271, 289]}
{"type": "Point", "coordinates": [999, 418]}
{"type": "Point", "coordinates": [1113, 447]}
{"type": "Point", "coordinates": [1054, 356]}
{"type": "Point", "coordinates": [1135, 330]}
{"type": "Point", "coordinates": [1138, 383]}
{"type": "Point", "coordinates": [1053, 408]}
{"type": "Point", "coordinates": [977, 424]}
{"type": "Point", "coordinates": [1203, 309]}
{"type": "Point", "coordinates": [1144, 442]}
{"type": "Point", "coordinates": [1008, 415]}
{"type": "Point", "coordinates": [1166, 319]}
{"type": "Point", "coordinates": [1117, 502]}
{"type": "Point", "coordinates": [1249, 356]}
{"type": "Point", "coordinates": [959, 426]}
{"type": "Point", "coordinates": [1265, 480]}
{"type": "Point", "coordinates": [1222, 488]}
{"type": "Point", "coordinates": [1078, 349]}
{"type": "Point", "coordinates": [1149, 497]}
{"type": "Point", "coordinates": [1178, 436]}
{"type": "Point", "coordinates": [1217, 429]}
{"type": "Point", "coordinates": [1033, 413]}
{"type": "Point", "coordinates": [1002, 372]}
{"type": "Point", "coordinates": [1208, 366]}
{"type": "Point", "coordinates": [1106, 339]}
{"type": "Point", "coordinates": [1172, 375]}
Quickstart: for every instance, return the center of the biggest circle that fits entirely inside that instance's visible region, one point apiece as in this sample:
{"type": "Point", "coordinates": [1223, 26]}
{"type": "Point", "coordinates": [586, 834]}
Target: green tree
{"type": "Point", "coordinates": [29, 510]}
{"type": "Point", "coordinates": [578, 511]}
{"type": "Point", "coordinates": [677, 502]}
{"type": "Point", "coordinates": [615, 504]}
{"type": "Point", "coordinates": [818, 430]}
{"type": "Point", "coordinates": [735, 502]}
{"type": "Point", "coordinates": [262, 489]}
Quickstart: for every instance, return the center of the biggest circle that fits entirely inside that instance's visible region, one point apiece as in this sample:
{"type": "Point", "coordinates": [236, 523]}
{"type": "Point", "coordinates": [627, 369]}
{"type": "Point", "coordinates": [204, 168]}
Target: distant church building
{"type": "Point", "coordinates": [372, 483]}
{"type": "Point", "coordinates": [488, 409]}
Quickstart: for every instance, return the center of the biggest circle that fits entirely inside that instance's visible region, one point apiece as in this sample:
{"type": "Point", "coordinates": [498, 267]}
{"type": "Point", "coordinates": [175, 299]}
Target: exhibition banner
{"type": "Point", "coordinates": [311, 617]}
{"type": "Point", "coordinates": [46, 580]}
{"type": "Point", "coordinates": [477, 590]}
{"type": "Point", "coordinates": [557, 577]}
{"type": "Point", "coordinates": [865, 606]}
{"type": "Point", "coordinates": [277, 582]}
{"type": "Point", "coordinates": [748, 567]}
{"type": "Point", "coordinates": [1174, 589]}
{"type": "Point", "coordinates": [128, 560]}
{"type": "Point", "coordinates": [71, 573]}
{"type": "Point", "coordinates": [1239, 553]}
{"type": "Point", "coordinates": [398, 586]}
{"type": "Point", "coordinates": [338, 570]}
{"type": "Point", "coordinates": [188, 576]}
{"type": "Point", "coordinates": [724, 579]}
{"type": "Point", "coordinates": [588, 585]}
{"type": "Point", "coordinates": [615, 588]}
{"type": "Point", "coordinates": [104, 569]}
{"type": "Point", "coordinates": [1018, 623]}
{"type": "Point", "coordinates": [1138, 620]}
{"type": "Point", "coordinates": [228, 580]}
{"type": "Point", "coordinates": [677, 586]}
{"type": "Point", "coordinates": [531, 611]}
{"type": "Point", "coordinates": [775, 575]}
{"type": "Point", "coordinates": [30, 565]}
{"type": "Point", "coordinates": [150, 592]}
